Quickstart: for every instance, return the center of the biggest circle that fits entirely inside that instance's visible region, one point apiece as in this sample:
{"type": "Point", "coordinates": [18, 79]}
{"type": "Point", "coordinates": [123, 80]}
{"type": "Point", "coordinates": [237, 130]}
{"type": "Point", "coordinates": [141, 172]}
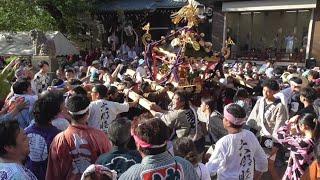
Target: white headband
{"type": "Point", "coordinates": [294, 83]}
{"type": "Point", "coordinates": [94, 168]}
{"type": "Point", "coordinates": [81, 112]}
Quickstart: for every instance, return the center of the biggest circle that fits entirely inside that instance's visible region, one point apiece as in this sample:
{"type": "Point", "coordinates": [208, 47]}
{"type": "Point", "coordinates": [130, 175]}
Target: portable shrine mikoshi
{"type": "Point", "coordinates": [186, 56]}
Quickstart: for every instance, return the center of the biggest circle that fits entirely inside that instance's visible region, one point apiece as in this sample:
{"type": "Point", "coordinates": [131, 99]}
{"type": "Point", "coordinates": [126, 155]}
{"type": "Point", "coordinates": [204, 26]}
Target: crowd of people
{"type": "Point", "coordinates": [81, 124]}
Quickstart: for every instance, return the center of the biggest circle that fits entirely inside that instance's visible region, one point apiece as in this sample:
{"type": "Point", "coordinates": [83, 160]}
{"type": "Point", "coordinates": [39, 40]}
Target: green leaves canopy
{"type": "Point", "coordinates": [21, 15]}
{"type": "Point", "coordinates": [62, 15]}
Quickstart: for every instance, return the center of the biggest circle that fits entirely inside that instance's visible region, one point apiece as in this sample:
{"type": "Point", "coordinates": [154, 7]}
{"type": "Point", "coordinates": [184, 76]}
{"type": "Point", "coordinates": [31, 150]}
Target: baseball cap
{"type": "Point", "coordinates": [141, 61]}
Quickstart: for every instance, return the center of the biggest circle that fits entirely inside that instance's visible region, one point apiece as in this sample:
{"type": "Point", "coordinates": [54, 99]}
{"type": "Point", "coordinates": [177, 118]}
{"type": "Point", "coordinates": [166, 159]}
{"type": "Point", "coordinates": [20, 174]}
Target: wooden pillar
{"type": "Point", "coordinates": [224, 30]}
{"type": "Point", "coordinates": [238, 29]}
{"type": "Point", "coordinates": [310, 29]}
{"type": "Point", "coordinates": [251, 30]}
{"type": "Point", "coordinates": [315, 39]}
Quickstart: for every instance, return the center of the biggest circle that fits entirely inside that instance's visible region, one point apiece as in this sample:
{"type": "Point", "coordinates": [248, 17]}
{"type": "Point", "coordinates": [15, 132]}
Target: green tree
{"type": "Point", "coordinates": [62, 15]}
{"type": "Point", "coordinates": [20, 15]}
{"type": "Point", "coordinates": [66, 13]}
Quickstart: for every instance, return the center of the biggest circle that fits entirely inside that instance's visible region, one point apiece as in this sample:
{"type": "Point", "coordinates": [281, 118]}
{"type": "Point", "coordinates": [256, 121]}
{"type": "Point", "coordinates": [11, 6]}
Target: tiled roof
{"type": "Point", "coordinates": [133, 5]}
{"type": "Point", "coordinates": [171, 3]}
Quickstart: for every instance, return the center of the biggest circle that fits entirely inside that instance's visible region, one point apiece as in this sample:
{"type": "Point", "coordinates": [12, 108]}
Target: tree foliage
{"type": "Point", "coordinates": [20, 15]}
{"type": "Point", "coordinates": [62, 15]}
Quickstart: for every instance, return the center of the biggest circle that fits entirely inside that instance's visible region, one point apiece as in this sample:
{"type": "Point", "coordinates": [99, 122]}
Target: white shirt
{"type": "Point", "coordinates": [103, 112]}
{"type": "Point", "coordinates": [140, 73]}
{"type": "Point", "coordinates": [121, 76]}
{"type": "Point", "coordinates": [107, 80]}
{"type": "Point", "coordinates": [40, 82]}
{"type": "Point", "coordinates": [202, 171]}
{"type": "Point", "coordinates": [94, 73]}
{"type": "Point", "coordinates": [26, 115]}
{"type": "Point", "coordinates": [289, 42]}
{"type": "Point", "coordinates": [234, 155]}
{"type": "Point", "coordinates": [105, 62]}
{"type": "Point", "coordinates": [60, 123]}
{"type": "Point", "coordinates": [132, 54]}
{"type": "Point", "coordinates": [285, 96]}
{"type": "Point", "coordinates": [269, 72]}
{"type": "Point", "coordinates": [15, 171]}
{"type": "Point", "coordinates": [124, 48]}
{"type": "Point", "coordinates": [29, 99]}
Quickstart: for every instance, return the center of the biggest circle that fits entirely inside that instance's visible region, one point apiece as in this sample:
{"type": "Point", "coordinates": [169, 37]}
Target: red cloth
{"type": "Point", "coordinates": [73, 150]}
{"type": "Point", "coordinates": [89, 58]}
{"type": "Point", "coordinates": [227, 101]}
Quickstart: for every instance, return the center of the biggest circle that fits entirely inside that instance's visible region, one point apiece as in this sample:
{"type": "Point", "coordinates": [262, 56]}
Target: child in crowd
{"type": "Point", "coordinates": [184, 147]}
{"type": "Point", "coordinates": [243, 99]}
{"type": "Point", "coordinates": [299, 136]}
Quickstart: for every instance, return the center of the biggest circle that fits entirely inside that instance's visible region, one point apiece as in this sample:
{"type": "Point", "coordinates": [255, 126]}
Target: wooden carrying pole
{"type": "Point", "coordinates": [154, 85]}
{"type": "Point", "coordinates": [142, 101]}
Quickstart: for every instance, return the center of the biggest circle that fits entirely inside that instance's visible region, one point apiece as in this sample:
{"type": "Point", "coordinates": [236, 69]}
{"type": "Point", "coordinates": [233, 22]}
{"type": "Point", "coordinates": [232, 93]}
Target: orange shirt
{"type": "Point", "coordinates": [73, 150]}
{"type": "Point", "coordinates": [313, 172]}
